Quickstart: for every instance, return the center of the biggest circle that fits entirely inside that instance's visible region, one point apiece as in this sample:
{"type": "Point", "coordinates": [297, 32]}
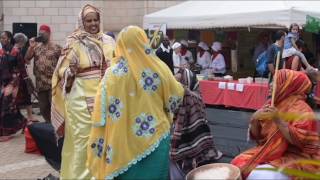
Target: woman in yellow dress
{"type": "Point", "coordinates": [74, 85]}
{"type": "Point", "coordinates": [133, 113]}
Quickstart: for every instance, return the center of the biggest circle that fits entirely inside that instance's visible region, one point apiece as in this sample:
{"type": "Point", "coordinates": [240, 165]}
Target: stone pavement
{"type": "Point", "coordinates": [15, 164]}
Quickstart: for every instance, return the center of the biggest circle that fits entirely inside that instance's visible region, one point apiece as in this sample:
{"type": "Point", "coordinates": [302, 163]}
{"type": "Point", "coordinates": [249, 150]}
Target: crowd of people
{"type": "Point", "coordinates": [13, 87]}
{"type": "Point", "coordinates": [16, 85]}
{"type": "Point", "coordinates": [295, 54]}
{"type": "Point", "coordinates": [286, 131]}
{"type": "Point", "coordinates": [208, 61]}
{"type": "Point", "coordinates": [116, 109]}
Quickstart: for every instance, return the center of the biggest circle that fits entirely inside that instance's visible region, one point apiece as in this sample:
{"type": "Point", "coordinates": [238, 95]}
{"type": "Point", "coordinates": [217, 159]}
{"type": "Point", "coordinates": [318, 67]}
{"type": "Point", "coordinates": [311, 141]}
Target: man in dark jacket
{"type": "Point", "coordinates": [164, 52]}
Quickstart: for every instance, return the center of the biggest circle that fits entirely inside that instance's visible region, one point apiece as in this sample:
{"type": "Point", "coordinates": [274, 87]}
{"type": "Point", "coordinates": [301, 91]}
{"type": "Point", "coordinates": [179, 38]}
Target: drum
{"type": "Point", "coordinates": [215, 171]}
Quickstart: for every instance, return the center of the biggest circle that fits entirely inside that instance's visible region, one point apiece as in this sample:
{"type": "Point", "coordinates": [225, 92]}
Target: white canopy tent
{"type": "Point", "coordinates": [230, 14]}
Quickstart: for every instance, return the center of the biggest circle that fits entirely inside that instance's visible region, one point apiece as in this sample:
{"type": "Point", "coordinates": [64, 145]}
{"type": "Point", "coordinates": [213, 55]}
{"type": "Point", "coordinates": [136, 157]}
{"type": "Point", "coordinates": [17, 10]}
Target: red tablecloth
{"type": "Point", "coordinates": [253, 95]}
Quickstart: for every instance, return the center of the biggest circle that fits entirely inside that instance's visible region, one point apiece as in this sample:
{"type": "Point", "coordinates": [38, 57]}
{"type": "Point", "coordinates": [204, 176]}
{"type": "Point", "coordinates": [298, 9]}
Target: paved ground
{"type": "Point", "coordinates": [15, 164]}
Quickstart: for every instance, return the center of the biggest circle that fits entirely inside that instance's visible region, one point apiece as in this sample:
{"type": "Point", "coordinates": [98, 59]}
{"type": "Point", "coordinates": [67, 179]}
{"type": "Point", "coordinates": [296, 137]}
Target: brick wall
{"type": "Point", "coordinates": [62, 15]}
{"type": "Point", "coordinates": [1, 11]}
{"type": "Point", "coordinates": [119, 14]}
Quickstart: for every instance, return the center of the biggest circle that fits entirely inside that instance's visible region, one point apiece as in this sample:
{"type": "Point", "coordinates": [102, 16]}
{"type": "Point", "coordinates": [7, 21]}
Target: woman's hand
{"type": "Point", "coordinates": [70, 73]}
{"type": "Point", "coordinates": [272, 113]}
{"type": "Point", "coordinates": [266, 112]}
{"type": "Point", "coordinates": [282, 125]}
{"type": "Point", "coordinates": [185, 66]}
{"type": "Point", "coordinates": [32, 43]}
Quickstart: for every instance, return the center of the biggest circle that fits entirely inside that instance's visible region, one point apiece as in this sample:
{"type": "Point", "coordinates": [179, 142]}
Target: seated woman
{"type": "Point", "coordinates": [283, 133]}
{"type": "Point", "coordinates": [218, 64]}
{"type": "Point", "coordinates": [192, 144]}
{"type": "Point", "coordinates": [294, 62]}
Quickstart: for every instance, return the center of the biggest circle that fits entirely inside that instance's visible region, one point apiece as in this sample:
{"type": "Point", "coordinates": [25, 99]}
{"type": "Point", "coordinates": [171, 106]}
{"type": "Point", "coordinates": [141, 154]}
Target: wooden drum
{"type": "Point", "coordinates": [215, 171]}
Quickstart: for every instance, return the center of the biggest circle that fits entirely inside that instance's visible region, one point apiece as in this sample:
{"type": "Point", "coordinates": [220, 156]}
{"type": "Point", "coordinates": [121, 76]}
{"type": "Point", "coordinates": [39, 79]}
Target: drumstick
{"type": "Point", "coordinates": [274, 84]}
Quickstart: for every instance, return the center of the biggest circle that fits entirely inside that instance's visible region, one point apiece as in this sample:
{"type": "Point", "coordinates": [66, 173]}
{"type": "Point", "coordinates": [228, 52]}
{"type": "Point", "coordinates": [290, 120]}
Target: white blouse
{"type": "Point", "coordinates": [176, 58]}
{"type": "Point", "coordinates": [218, 64]}
{"type": "Point", "coordinates": [205, 60]}
{"type": "Point", "coordinates": [187, 58]}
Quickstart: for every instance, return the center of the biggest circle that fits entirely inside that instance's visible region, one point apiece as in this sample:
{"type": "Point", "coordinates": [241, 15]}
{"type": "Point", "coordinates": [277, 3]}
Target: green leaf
{"type": "Point", "coordinates": [294, 172]}
{"type": "Point", "coordinates": [312, 24]}
{"type": "Point", "coordinates": [306, 162]}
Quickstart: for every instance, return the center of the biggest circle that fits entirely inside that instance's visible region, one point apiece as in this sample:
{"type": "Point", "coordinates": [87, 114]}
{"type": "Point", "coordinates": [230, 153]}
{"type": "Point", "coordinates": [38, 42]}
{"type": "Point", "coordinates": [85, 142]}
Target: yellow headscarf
{"type": "Point", "coordinates": [133, 108]}
{"type": "Point", "coordinates": [95, 43]}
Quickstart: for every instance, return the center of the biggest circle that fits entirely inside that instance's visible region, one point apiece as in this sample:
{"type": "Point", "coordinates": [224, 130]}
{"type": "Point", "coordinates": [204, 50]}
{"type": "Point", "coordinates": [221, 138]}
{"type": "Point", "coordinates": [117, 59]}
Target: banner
{"type": "Point", "coordinates": [152, 28]}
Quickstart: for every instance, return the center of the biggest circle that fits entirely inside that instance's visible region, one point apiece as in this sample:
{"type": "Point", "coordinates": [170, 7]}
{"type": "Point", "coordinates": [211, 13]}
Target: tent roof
{"type": "Point", "coordinates": [226, 14]}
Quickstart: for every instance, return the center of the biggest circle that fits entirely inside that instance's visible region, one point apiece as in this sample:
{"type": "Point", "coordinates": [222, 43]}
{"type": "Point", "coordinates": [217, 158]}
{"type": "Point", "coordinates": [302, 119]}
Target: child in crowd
{"type": "Point", "coordinates": [290, 47]}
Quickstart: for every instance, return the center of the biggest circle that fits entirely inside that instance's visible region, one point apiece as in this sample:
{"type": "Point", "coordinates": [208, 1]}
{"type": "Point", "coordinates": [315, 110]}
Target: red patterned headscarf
{"type": "Point", "coordinates": [291, 83]}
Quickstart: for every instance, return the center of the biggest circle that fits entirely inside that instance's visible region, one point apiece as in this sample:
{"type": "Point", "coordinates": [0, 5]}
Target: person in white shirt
{"type": "Point", "coordinates": [203, 57]}
{"type": "Point", "coordinates": [218, 65]}
{"type": "Point", "coordinates": [186, 55]}
{"type": "Point", "coordinates": [176, 57]}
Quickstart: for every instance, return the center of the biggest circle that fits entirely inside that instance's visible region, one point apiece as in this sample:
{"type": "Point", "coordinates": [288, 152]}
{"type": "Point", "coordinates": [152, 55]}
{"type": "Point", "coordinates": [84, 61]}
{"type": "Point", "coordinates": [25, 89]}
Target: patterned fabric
{"type": "Point", "coordinates": [121, 69]}
{"type": "Point", "coordinates": [191, 142]}
{"type": "Point", "coordinates": [149, 81]}
{"type": "Point", "coordinates": [129, 111]}
{"type": "Point", "coordinates": [17, 68]}
{"type": "Point", "coordinates": [11, 120]}
{"type": "Point", "coordinates": [173, 104]}
{"type": "Point", "coordinates": [70, 65]}
{"type": "Point", "coordinates": [108, 154]}
{"type": "Point", "coordinates": [74, 85]}
{"type": "Point", "coordinates": [189, 79]}
{"type": "Point", "coordinates": [145, 125]}
{"type": "Point", "coordinates": [114, 108]}
{"type": "Point", "coordinates": [26, 87]}
{"type": "Point", "coordinates": [97, 147]}
{"type": "Point", "coordinates": [45, 60]}
{"type": "Point", "coordinates": [6, 65]}
{"type": "Point", "coordinates": [273, 148]}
